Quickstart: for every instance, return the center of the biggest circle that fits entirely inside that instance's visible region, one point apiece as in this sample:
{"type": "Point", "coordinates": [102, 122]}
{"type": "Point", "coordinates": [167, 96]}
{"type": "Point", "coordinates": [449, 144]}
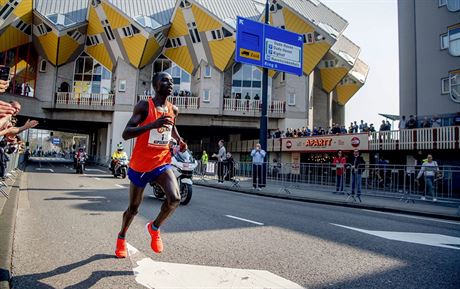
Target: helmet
{"type": "Point", "coordinates": [120, 148]}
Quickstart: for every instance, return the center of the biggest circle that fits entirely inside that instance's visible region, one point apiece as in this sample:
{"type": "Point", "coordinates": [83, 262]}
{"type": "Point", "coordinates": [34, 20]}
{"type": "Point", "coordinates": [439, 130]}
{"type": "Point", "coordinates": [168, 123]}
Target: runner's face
{"type": "Point", "coordinates": [165, 85]}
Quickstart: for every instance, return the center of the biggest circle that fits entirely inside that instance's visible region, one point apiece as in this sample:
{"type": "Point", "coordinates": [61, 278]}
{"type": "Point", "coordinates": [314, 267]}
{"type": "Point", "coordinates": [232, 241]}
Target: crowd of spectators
{"type": "Point", "coordinates": [10, 142]}
{"type": "Point", "coordinates": [426, 122]}
{"type": "Point", "coordinates": [333, 130]}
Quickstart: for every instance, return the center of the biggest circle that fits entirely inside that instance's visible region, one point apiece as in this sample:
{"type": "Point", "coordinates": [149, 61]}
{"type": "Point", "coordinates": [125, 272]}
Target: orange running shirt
{"type": "Point", "coordinates": [152, 147]}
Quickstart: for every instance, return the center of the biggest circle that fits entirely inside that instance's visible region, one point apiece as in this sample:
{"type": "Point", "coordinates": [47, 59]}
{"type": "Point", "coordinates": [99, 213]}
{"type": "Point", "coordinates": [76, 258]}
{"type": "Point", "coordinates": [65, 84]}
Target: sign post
{"type": "Point", "coordinates": [271, 48]}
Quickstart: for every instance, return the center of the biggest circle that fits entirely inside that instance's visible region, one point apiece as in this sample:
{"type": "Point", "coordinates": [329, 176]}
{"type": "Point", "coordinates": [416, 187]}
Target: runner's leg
{"type": "Point", "coordinates": [135, 199]}
{"type": "Point", "coordinates": [168, 182]}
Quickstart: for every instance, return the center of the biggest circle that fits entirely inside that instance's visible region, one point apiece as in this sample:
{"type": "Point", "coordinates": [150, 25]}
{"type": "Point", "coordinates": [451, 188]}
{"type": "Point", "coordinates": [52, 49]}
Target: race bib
{"type": "Point", "coordinates": [160, 136]}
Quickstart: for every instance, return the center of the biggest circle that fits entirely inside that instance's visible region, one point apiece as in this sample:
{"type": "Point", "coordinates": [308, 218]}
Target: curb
{"type": "Point", "coordinates": [7, 226]}
{"type": "Point", "coordinates": [336, 203]}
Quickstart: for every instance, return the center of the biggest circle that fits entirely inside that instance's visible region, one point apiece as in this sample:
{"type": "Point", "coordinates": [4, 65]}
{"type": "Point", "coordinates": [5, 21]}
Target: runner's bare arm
{"type": "Point", "coordinates": [140, 113]}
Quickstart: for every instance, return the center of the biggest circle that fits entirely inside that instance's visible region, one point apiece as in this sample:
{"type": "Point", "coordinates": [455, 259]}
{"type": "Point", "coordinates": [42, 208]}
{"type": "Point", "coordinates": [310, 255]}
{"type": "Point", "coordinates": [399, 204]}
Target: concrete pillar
{"type": "Point", "coordinates": [338, 113]}
{"type": "Point", "coordinates": [119, 121]}
{"type": "Point", "coordinates": [322, 104]}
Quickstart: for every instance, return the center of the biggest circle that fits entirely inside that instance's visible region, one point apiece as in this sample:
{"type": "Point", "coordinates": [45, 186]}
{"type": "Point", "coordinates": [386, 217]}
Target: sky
{"type": "Point", "coordinates": [373, 25]}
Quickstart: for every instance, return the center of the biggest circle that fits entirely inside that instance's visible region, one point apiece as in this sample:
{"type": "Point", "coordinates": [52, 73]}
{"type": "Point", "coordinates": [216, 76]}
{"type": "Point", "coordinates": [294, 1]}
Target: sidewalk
{"type": "Point", "coordinates": [440, 209]}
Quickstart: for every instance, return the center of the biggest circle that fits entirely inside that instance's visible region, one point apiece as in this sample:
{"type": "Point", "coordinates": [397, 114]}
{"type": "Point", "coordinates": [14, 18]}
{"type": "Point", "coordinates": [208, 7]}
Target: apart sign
{"type": "Point", "coordinates": [346, 142]}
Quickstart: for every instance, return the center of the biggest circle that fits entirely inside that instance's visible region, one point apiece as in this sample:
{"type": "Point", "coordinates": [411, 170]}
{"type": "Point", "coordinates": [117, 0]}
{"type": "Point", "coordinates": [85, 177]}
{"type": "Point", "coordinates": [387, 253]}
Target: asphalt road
{"type": "Point", "coordinates": [67, 226]}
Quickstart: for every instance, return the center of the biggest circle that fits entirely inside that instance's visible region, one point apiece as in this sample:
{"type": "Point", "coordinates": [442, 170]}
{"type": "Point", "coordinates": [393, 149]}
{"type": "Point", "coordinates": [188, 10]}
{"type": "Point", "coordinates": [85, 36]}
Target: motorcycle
{"type": "Point", "coordinates": [120, 167]}
{"type": "Point", "coordinates": [81, 160]}
{"type": "Point", "coordinates": [183, 166]}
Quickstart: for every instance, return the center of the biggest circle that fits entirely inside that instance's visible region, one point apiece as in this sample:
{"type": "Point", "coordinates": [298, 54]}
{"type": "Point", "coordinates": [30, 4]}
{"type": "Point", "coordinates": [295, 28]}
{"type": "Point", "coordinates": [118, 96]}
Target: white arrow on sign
{"type": "Point", "coordinates": [435, 240]}
{"type": "Point", "coordinates": [154, 274]}
{"type": "Point", "coordinates": [241, 21]}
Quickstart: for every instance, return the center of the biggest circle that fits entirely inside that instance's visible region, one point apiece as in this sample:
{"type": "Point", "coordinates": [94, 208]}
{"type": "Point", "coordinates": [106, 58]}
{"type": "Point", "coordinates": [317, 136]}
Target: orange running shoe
{"type": "Point", "coordinates": [156, 243]}
{"type": "Point", "coordinates": [121, 251]}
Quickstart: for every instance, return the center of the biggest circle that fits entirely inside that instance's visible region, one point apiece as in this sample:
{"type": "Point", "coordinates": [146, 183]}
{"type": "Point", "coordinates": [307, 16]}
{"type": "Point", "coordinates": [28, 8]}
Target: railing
{"type": "Point", "coordinates": [182, 102]}
{"type": "Point", "coordinates": [395, 181]}
{"type": "Point", "coordinates": [9, 172]}
{"type": "Point", "coordinates": [416, 139]}
{"type": "Point", "coordinates": [85, 99]}
{"type": "Point", "coordinates": [245, 105]}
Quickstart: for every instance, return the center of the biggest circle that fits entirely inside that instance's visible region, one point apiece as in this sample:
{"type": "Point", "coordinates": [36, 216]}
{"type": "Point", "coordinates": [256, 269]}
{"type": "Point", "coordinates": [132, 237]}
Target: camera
{"type": "Point", "coordinates": [4, 73]}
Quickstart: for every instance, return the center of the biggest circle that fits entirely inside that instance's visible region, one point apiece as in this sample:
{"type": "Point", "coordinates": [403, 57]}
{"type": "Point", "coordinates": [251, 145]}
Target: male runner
{"type": "Point", "coordinates": [153, 125]}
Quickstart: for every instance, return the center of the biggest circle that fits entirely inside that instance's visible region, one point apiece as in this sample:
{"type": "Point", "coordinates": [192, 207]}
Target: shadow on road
{"type": "Point", "coordinates": [35, 280]}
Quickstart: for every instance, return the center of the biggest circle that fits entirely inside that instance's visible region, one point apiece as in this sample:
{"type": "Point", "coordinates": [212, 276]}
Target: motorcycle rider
{"type": "Point", "coordinates": [80, 153]}
{"type": "Point", "coordinates": [118, 155]}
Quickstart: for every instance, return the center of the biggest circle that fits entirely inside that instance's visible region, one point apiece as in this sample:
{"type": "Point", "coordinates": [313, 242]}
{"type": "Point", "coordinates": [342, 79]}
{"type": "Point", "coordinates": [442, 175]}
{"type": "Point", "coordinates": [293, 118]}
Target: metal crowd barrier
{"type": "Point", "coordinates": [396, 181]}
{"type": "Point", "coordinates": [11, 171]}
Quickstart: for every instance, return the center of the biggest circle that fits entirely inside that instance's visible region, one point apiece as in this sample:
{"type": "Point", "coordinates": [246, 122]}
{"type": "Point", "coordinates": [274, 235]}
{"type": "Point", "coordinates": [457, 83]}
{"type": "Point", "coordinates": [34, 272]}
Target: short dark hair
{"type": "Point", "coordinates": [157, 77]}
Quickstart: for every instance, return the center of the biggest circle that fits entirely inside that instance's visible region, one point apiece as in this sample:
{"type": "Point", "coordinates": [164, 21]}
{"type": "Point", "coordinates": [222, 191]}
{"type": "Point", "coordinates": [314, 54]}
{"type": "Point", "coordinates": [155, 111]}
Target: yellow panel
{"type": "Point", "coordinates": [11, 38]}
{"type": "Point", "coordinates": [346, 91]}
{"type": "Point", "coordinates": [181, 57]}
{"type": "Point", "coordinates": [151, 49]}
{"type": "Point", "coordinates": [134, 46]}
{"type": "Point", "coordinates": [99, 53]}
{"type": "Point", "coordinates": [116, 19]}
{"type": "Point", "coordinates": [67, 47]}
{"type": "Point", "coordinates": [3, 2]}
{"type": "Point", "coordinates": [330, 77]}
{"type": "Point", "coordinates": [94, 23]}
{"type": "Point", "coordinates": [49, 43]}
{"type": "Point", "coordinates": [23, 8]}
{"type": "Point", "coordinates": [178, 27]}
{"type": "Point", "coordinates": [222, 52]}
{"type": "Point", "coordinates": [204, 21]}
{"type": "Point", "coordinates": [295, 24]}
{"type": "Point", "coordinates": [312, 55]}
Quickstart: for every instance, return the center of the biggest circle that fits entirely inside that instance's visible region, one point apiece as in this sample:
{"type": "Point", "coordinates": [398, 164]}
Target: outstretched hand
{"type": "Point", "coordinates": [4, 85]}
{"type": "Point", "coordinates": [31, 123]}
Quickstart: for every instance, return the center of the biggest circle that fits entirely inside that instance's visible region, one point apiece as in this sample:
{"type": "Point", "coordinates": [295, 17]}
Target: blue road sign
{"type": "Point", "coordinates": [56, 141]}
{"type": "Point", "coordinates": [264, 45]}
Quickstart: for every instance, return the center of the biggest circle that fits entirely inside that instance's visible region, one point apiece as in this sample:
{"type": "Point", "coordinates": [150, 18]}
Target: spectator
{"type": "Point", "coordinates": [276, 169]}
{"type": "Point", "coordinates": [355, 128]}
{"type": "Point", "coordinates": [204, 162]}
{"type": "Point", "coordinates": [361, 126]}
{"type": "Point", "coordinates": [258, 164]}
{"type": "Point", "coordinates": [221, 158]}
{"type": "Point", "coordinates": [357, 168]}
{"type": "Point", "coordinates": [351, 128]}
{"type": "Point", "coordinates": [402, 122]}
{"type": "Point", "coordinates": [336, 129]}
{"type": "Point", "coordinates": [230, 167]}
{"type": "Point", "coordinates": [371, 128]}
{"type": "Point", "coordinates": [426, 122]}
{"type": "Point", "coordinates": [277, 133]}
{"type": "Point", "coordinates": [3, 158]}
{"type": "Point", "coordinates": [366, 127]}
{"type": "Point", "coordinates": [436, 121]}
{"type": "Point", "coordinates": [388, 125]}
{"type": "Point", "coordinates": [343, 130]}
{"type": "Point", "coordinates": [315, 131]}
{"type": "Point", "coordinates": [429, 170]}
{"type": "Point", "coordinates": [411, 123]}
{"type": "Point", "coordinates": [339, 161]}
{"type": "Point", "coordinates": [383, 126]}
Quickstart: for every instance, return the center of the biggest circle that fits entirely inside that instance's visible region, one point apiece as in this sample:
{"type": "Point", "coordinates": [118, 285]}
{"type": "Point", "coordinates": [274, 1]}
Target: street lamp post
{"type": "Point", "coordinates": [263, 117]}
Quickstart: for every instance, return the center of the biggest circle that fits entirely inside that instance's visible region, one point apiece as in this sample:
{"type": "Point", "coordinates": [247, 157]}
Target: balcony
{"type": "Point", "coordinates": [233, 106]}
{"type": "Point", "coordinates": [184, 103]}
{"type": "Point", "coordinates": [440, 138]}
{"type": "Point", "coordinates": [93, 101]}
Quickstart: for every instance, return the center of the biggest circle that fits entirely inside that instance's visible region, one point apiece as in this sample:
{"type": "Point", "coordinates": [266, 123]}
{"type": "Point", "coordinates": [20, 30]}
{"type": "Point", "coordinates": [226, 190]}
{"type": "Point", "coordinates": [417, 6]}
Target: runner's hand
{"type": "Point", "coordinates": [182, 146]}
{"type": "Point", "coordinates": [162, 121]}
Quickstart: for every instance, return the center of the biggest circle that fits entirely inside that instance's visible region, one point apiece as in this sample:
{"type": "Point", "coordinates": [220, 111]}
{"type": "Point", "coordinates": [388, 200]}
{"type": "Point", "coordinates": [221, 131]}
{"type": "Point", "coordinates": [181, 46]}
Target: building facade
{"type": "Point", "coordinates": [82, 65]}
{"type": "Point", "coordinates": [429, 57]}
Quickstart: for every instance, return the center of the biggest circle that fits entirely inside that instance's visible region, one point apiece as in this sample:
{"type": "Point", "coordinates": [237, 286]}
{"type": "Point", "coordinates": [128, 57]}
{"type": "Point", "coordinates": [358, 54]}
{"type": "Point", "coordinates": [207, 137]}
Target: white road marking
{"type": "Point", "coordinates": [120, 186]}
{"type": "Point", "coordinates": [43, 169]}
{"type": "Point", "coordinates": [97, 179]}
{"type": "Point", "coordinates": [95, 170]}
{"type": "Point", "coordinates": [159, 275]}
{"type": "Point", "coordinates": [414, 217]}
{"type": "Point", "coordinates": [244, 220]}
{"type": "Point", "coordinates": [435, 240]}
